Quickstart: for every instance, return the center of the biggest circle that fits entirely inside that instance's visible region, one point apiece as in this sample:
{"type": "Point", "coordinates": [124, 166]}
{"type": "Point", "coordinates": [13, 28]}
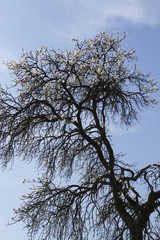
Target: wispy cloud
{"type": "Point", "coordinates": [117, 130]}
{"type": "Point", "coordinates": [133, 11]}
{"type": "Point", "coordinates": [91, 15]}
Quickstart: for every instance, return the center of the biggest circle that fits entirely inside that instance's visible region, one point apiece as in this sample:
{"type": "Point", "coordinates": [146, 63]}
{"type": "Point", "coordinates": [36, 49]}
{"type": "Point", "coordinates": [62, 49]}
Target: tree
{"type": "Point", "coordinates": [58, 112]}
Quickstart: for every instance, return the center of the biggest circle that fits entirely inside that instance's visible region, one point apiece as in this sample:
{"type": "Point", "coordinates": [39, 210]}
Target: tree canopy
{"type": "Point", "coordinates": [58, 113]}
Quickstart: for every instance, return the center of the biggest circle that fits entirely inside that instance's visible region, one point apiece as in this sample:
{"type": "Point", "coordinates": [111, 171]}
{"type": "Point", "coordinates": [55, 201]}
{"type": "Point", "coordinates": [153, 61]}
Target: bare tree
{"type": "Point", "coordinates": [58, 112]}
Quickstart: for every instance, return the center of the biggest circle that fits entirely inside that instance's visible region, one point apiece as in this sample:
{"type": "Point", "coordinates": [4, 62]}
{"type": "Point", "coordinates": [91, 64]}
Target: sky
{"type": "Point", "coordinates": [28, 24]}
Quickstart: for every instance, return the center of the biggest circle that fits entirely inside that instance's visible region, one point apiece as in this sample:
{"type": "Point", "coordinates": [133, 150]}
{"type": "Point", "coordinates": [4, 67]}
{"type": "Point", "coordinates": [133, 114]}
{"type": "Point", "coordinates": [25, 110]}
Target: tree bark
{"type": "Point", "coordinates": [136, 233]}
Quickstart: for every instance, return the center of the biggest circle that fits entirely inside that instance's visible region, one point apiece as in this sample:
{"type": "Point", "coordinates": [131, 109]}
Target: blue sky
{"type": "Point", "coordinates": [28, 24]}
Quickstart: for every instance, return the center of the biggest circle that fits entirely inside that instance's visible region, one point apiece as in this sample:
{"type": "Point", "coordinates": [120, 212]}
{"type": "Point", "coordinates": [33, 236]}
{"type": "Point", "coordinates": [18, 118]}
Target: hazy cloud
{"type": "Point", "coordinates": [91, 15]}
{"type": "Point", "coordinates": [117, 130]}
{"type": "Point", "coordinates": [5, 55]}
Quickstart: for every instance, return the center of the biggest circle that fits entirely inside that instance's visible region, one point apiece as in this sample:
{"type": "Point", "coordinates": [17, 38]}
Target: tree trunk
{"type": "Point", "coordinates": [136, 233]}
